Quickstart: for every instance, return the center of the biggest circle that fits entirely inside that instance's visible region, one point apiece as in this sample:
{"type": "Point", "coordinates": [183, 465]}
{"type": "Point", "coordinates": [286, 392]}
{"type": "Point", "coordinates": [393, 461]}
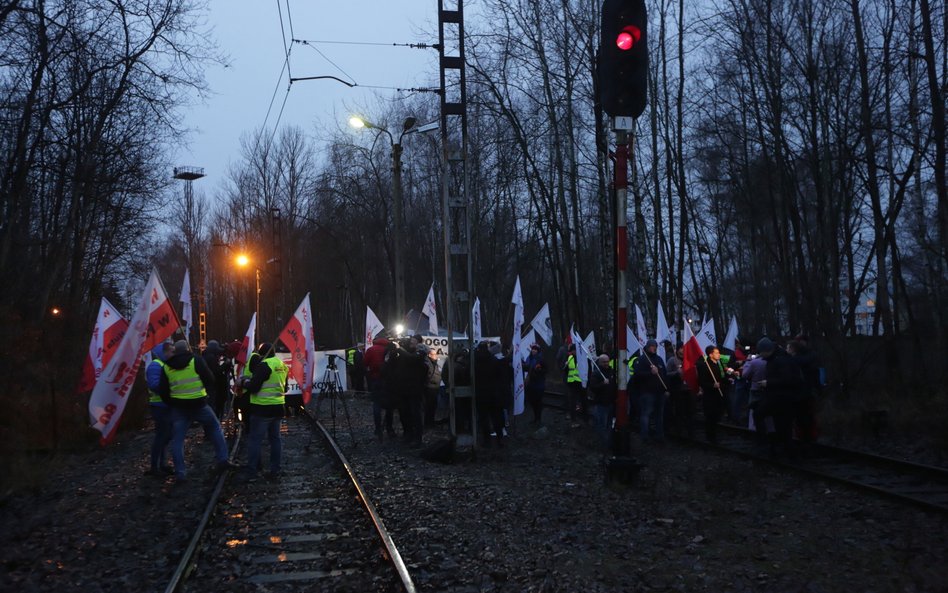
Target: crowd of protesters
{"type": "Point", "coordinates": [772, 390]}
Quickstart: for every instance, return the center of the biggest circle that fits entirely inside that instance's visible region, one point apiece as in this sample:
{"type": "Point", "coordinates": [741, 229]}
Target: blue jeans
{"type": "Point", "coordinates": [161, 414]}
{"type": "Point", "coordinates": [652, 407]}
{"type": "Point", "coordinates": [181, 419]}
{"type": "Point", "coordinates": [601, 414]}
{"type": "Point", "coordinates": [259, 426]}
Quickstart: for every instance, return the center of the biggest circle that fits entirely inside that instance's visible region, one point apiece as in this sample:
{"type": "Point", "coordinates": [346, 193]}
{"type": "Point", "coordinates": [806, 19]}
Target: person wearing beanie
{"type": "Point", "coordinates": [574, 386]}
{"type": "Point", "coordinates": [782, 389]}
{"type": "Point", "coordinates": [651, 381]}
{"type": "Point", "coordinates": [185, 385]}
{"type": "Point", "coordinates": [212, 357]}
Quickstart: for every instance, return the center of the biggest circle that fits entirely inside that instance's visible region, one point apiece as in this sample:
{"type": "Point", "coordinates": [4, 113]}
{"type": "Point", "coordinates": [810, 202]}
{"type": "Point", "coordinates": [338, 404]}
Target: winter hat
{"type": "Point", "coordinates": [422, 348]}
{"type": "Point", "coordinates": [651, 343]}
{"type": "Point", "coordinates": [214, 347]}
{"type": "Point", "coordinates": [603, 358]}
{"type": "Point", "coordinates": [181, 347]}
{"type": "Point", "coordinates": [765, 346]}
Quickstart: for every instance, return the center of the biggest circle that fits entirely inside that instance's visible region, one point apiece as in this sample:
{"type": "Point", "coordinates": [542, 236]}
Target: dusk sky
{"type": "Point", "coordinates": [249, 33]}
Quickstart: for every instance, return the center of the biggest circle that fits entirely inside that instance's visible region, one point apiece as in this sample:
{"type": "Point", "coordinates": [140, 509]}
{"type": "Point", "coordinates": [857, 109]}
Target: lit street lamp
{"type": "Point", "coordinates": [243, 261]}
{"type": "Point", "coordinates": [408, 126]}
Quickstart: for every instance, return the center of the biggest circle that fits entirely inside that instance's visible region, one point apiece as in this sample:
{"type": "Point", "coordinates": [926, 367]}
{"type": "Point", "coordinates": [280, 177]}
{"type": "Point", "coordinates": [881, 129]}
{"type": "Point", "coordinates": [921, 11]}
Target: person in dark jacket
{"type": "Point", "coordinates": [432, 385]}
{"type": "Point", "coordinates": [212, 357]}
{"type": "Point", "coordinates": [713, 383]}
{"type": "Point", "coordinates": [267, 389]}
{"type": "Point", "coordinates": [651, 380]}
{"type": "Point", "coordinates": [160, 413]}
{"type": "Point", "coordinates": [535, 384]}
{"type": "Point", "coordinates": [805, 406]}
{"type": "Point", "coordinates": [185, 386]}
{"type": "Point", "coordinates": [490, 409]}
{"type": "Point", "coordinates": [782, 388]}
{"type": "Point", "coordinates": [409, 376]}
{"type": "Point", "coordinates": [602, 397]}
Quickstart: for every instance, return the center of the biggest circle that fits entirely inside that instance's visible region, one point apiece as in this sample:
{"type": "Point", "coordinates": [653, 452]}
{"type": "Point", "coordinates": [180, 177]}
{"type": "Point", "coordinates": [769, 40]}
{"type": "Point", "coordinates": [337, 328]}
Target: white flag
{"type": "Point", "coordinates": [476, 321]}
{"type": "Point", "coordinates": [525, 343]}
{"type": "Point", "coordinates": [590, 344]}
{"type": "Point", "coordinates": [430, 309]}
{"type": "Point", "coordinates": [517, 297]}
{"type": "Point", "coordinates": [706, 336]}
{"type": "Point", "coordinates": [186, 316]}
{"type": "Point", "coordinates": [152, 323]}
{"type": "Point", "coordinates": [543, 325]}
{"type": "Point", "coordinates": [519, 391]}
{"type": "Point", "coordinates": [640, 332]}
{"type": "Point", "coordinates": [372, 326]}
{"type": "Point", "coordinates": [730, 340]}
{"type": "Point", "coordinates": [662, 332]}
{"type": "Point", "coordinates": [582, 358]}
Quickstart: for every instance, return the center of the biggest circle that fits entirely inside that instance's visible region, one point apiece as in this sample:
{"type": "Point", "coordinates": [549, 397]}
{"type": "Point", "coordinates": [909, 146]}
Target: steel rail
{"type": "Point", "coordinates": [393, 554]}
{"type": "Point", "coordinates": [187, 561]}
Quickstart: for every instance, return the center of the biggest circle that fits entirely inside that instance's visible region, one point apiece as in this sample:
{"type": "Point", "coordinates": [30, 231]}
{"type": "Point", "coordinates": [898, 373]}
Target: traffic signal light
{"type": "Point", "coordinates": [623, 57]}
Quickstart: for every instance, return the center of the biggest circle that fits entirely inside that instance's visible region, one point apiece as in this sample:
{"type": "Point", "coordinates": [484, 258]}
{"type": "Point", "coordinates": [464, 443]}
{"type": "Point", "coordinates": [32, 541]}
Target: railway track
{"type": "Point", "coordinates": [313, 529]}
{"type": "Point", "coordinates": [911, 483]}
{"type": "Point", "coordinates": [920, 485]}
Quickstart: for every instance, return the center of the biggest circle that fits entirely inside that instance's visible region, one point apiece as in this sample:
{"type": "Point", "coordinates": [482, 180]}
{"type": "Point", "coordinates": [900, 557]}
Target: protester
{"type": "Point", "coordinates": [535, 384]}
{"type": "Point", "coordinates": [160, 413]}
{"type": "Point", "coordinates": [503, 384]}
{"type": "Point", "coordinates": [602, 398]}
{"type": "Point", "coordinates": [408, 380]}
{"type": "Point", "coordinates": [490, 415]}
{"type": "Point", "coordinates": [754, 373]}
{"type": "Point", "coordinates": [712, 381]}
{"type": "Point", "coordinates": [782, 388]}
{"type": "Point", "coordinates": [374, 361]}
{"type": "Point", "coordinates": [355, 364]}
{"type": "Point", "coordinates": [184, 386]}
{"type": "Point", "coordinates": [267, 389]}
{"type": "Point", "coordinates": [432, 385]}
{"type": "Point", "coordinates": [682, 398]}
{"type": "Point", "coordinates": [574, 387]}
{"type": "Point", "coordinates": [212, 357]}
{"type": "Point", "coordinates": [652, 384]}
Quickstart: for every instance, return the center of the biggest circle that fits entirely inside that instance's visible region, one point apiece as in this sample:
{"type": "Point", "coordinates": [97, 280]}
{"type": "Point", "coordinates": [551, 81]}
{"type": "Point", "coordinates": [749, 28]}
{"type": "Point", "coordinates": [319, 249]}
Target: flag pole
{"type": "Point", "coordinates": [649, 359]}
{"type": "Point", "coordinates": [707, 364]}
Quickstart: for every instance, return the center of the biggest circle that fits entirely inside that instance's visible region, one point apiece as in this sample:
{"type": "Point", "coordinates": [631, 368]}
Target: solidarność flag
{"type": "Point", "coordinates": [153, 322]}
{"type": "Point", "coordinates": [298, 337]}
{"type": "Point", "coordinates": [107, 334]}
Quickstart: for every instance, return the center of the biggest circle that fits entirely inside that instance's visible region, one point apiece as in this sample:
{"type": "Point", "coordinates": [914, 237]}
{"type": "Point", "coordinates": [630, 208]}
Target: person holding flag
{"type": "Point", "coordinates": [160, 413]}
{"type": "Point", "coordinates": [267, 389]}
{"type": "Point", "coordinates": [652, 382]}
{"type": "Point", "coordinates": [184, 387]}
{"type": "Point", "coordinates": [714, 384]}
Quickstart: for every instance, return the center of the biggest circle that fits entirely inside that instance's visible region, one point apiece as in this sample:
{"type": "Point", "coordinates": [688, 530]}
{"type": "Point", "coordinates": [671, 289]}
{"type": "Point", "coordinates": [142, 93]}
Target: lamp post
{"type": "Point", "coordinates": [243, 261]}
{"type": "Point", "coordinates": [408, 126]}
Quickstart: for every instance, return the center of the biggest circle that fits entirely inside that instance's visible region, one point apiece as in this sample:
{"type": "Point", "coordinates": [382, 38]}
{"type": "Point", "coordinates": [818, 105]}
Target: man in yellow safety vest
{"type": "Point", "coordinates": [184, 386]}
{"type": "Point", "coordinates": [267, 389]}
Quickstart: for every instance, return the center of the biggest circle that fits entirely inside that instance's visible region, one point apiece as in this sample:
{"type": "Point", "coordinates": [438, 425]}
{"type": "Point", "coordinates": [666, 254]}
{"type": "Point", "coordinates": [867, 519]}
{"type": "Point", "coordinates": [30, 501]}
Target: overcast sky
{"type": "Point", "coordinates": [249, 33]}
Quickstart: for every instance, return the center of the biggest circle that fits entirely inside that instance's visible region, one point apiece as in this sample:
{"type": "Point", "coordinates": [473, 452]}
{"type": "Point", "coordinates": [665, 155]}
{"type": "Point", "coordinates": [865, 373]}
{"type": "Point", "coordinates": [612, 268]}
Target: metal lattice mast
{"type": "Point", "coordinates": [458, 269]}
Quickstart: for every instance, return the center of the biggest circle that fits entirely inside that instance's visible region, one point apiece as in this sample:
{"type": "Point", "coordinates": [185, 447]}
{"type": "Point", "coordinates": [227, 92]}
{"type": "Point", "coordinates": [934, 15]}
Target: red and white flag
{"type": "Point", "coordinates": [107, 334]}
{"type": "Point", "coordinates": [247, 346]}
{"type": "Point", "coordinates": [518, 386]}
{"type": "Point", "coordinates": [730, 340]}
{"type": "Point", "coordinates": [153, 322]}
{"type": "Point", "coordinates": [372, 326]}
{"type": "Point", "coordinates": [298, 337]}
{"type": "Point", "coordinates": [431, 311]}
{"type": "Point", "coordinates": [690, 359]}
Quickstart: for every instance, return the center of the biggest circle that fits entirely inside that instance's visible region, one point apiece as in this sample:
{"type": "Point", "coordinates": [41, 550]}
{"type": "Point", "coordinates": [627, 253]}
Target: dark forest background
{"type": "Point", "coordinates": [789, 170]}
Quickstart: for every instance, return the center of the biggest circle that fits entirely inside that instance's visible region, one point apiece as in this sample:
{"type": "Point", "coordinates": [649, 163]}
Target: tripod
{"type": "Point", "coordinates": [331, 388]}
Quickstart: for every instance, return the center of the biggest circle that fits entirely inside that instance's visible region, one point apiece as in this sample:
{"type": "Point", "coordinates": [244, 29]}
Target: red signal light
{"type": "Point", "coordinates": [628, 37]}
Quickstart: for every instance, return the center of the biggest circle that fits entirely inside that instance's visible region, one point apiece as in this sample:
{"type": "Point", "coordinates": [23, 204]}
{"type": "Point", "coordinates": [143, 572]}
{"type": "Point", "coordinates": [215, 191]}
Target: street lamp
{"type": "Point", "coordinates": [243, 261]}
{"type": "Point", "coordinates": [408, 126]}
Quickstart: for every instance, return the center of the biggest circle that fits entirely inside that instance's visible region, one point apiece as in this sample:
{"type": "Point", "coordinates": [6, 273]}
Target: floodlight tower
{"type": "Point", "coordinates": [188, 174]}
